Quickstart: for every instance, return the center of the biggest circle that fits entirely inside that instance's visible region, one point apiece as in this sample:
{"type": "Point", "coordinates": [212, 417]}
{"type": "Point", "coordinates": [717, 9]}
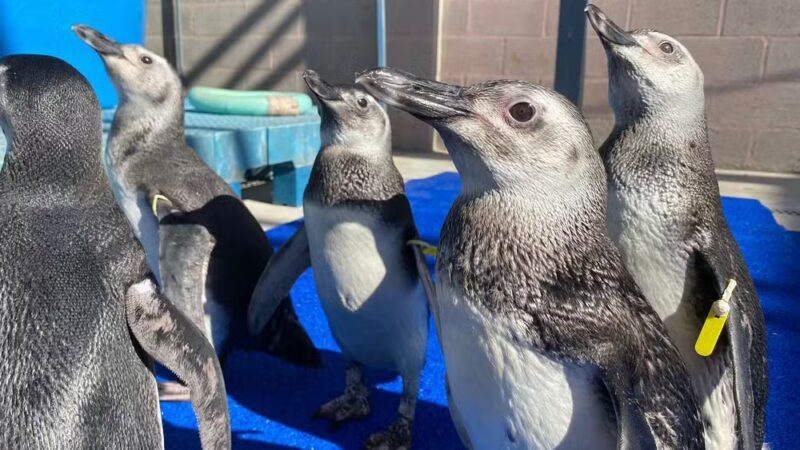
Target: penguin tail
{"type": "Point", "coordinates": [284, 337]}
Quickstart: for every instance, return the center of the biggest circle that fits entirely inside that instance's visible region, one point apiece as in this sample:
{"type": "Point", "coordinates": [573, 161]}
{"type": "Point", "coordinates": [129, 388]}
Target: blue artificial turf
{"type": "Point", "coordinates": [271, 401]}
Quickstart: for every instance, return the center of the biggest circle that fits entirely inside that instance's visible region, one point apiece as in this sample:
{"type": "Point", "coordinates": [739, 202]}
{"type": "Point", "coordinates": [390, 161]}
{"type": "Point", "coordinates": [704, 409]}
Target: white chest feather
{"type": "Point", "coordinates": [510, 396]}
{"type": "Point", "coordinates": [658, 261]}
{"type": "Point", "coordinates": [137, 210]}
{"type": "Point", "coordinates": [375, 309]}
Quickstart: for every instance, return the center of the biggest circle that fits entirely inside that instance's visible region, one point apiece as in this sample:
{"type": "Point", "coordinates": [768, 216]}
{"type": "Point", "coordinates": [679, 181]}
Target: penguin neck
{"type": "Point", "coordinates": [659, 147]}
{"type": "Point", "coordinates": [139, 127]}
{"type": "Point", "coordinates": [40, 160]}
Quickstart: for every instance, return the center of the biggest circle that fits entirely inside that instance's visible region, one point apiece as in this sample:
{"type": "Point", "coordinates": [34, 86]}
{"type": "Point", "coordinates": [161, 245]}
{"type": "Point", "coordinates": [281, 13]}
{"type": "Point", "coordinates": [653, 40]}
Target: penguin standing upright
{"type": "Point", "coordinates": [356, 235]}
{"type": "Point", "coordinates": [147, 158]}
{"type": "Point", "coordinates": [666, 217]}
{"type": "Point", "coordinates": [546, 338]}
{"type": "Point", "coordinates": [79, 310]}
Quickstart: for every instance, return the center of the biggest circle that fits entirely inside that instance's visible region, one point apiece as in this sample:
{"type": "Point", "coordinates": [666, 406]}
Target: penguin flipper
{"type": "Point", "coordinates": [183, 257]}
{"type": "Point", "coordinates": [283, 269]}
{"type": "Point", "coordinates": [713, 273]}
{"type": "Point", "coordinates": [167, 335]}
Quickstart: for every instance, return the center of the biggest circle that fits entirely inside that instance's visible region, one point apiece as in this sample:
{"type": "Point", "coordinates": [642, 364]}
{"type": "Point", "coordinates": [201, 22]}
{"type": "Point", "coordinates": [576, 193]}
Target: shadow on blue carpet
{"type": "Point", "coordinates": [271, 402]}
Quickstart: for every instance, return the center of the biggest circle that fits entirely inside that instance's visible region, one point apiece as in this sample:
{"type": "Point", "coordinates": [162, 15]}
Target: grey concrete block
{"type": "Point", "coordinates": [454, 17]}
{"type": "Point", "coordinates": [595, 63]}
{"type": "Point", "coordinates": [271, 17]}
{"type": "Point", "coordinates": [351, 18]}
{"type": "Point", "coordinates": [472, 55]}
{"type": "Point", "coordinates": [595, 98]}
{"type": "Point", "coordinates": [529, 58]}
{"type": "Point", "coordinates": [767, 17]}
{"type": "Point", "coordinates": [777, 150]}
{"type": "Point", "coordinates": [727, 59]}
{"type": "Point", "coordinates": [411, 18]}
{"type": "Point", "coordinates": [730, 147]}
{"type": "Point", "coordinates": [507, 17]}
{"type": "Point", "coordinates": [676, 17]}
{"type": "Point", "coordinates": [760, 105]}
{"type": "Point", "coordinates": [217, 20]}
{"type": "Point", "coordinates": [414, 54]}
{"type": "Point", "coordinates": [783, 60]}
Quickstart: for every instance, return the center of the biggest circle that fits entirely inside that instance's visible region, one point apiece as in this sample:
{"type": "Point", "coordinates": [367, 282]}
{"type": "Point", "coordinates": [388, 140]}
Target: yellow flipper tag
{"type": "Point", "coordinates": [154, 203]}
{"type": "Point", "coordinates": [427, 249]}
{"type": "Point", "coordinates": [715, 322]}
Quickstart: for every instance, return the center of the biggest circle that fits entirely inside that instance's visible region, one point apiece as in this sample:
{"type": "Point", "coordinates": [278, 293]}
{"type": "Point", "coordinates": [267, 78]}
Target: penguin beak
{"type": "Point", "coordinates": [425, 99]}
{"type": "Point", "coordinates": [102, 44]}
{"type": "Point", "coordinates": [321, 88]}
{"type": "Point", "coordinates": [608, 31]}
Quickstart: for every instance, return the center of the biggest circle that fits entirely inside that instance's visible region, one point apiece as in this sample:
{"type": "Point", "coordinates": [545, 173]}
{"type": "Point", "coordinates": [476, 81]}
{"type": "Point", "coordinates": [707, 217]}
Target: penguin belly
{"type": "Point", "coordinates": [510, 396]}
{"type": "Point", "coordinates": [375, 305]}
{"type": "Point", "coordinates": [659, 266]}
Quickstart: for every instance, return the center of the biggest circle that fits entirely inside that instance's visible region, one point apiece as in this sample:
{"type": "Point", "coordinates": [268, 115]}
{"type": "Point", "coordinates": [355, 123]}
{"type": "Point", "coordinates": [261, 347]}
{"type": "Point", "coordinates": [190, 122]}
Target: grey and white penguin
{"type": "Point", "coordinates": [147, 157]}
{"type": "Point", "coordinates": [666, 217]}
{"type": "Point", "coordinates": [357, 226]}
{"type": "Point", "coordinates": [80, 313]}
{"type": "Point", "coordinates": [547, 340]}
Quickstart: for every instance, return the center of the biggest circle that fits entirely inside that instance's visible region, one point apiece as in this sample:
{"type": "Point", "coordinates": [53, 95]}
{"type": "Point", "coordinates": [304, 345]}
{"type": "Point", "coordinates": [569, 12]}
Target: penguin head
{"type": "Point", "coordinates": [499, 133]}
{"type": "Point", "coordinates": [647, 71]}
{"type": "Point", "coordinates": [51, 119]}
{"type": "Point", "coordinates": [138, 74]}
{"type": "Point", "coordinates": [350, 115]}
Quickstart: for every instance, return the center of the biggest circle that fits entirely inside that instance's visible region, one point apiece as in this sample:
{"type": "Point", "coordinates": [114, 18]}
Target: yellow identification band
{"type": "Point", "coordinates": [154, 203]}
{"type": "Point", "coordinates": [715, 322]}
{"type": "Point", "coordinates": [427, 249]}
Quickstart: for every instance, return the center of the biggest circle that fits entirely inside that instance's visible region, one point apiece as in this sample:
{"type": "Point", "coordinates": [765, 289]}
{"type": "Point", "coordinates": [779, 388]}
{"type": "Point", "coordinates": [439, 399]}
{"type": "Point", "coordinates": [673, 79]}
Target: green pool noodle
{"type": "Point", "coordinates": [250, 103]}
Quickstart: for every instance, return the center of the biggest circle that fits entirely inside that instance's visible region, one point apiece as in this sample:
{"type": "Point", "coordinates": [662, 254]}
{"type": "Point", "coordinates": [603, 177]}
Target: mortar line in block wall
{"type": "Point", "coordinates": [629, 14]}
{"type": "Point", "coordinates": [723, 5]}
{"type": "Point", "coordinates": [765, 54]}
{"type": "Point", "coordinates": [544, 18]}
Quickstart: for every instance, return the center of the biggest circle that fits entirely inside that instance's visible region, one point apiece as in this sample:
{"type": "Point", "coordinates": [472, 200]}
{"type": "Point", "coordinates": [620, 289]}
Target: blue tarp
{"type": "Point", "coordinates": [271, 401]}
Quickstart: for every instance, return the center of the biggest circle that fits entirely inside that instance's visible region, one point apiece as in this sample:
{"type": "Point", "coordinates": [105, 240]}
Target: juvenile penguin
{"type": "Point", "coordinates": [357, 226]}
{"type": "Point", "coordinates": [546, 338]}
{"type": "Point", "coordinates": [666, 217]}
{"type": "Point", "coordinates": [80, 313]}
{"type": "Point", "coordinates": [147, 156]}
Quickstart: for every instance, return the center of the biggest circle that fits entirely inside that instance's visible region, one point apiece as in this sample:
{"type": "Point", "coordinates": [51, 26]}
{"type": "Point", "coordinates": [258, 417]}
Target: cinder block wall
{"type": "Point", "coordinates": [266, 44]}
{"type": "Point", "coordinates": [749, 51]}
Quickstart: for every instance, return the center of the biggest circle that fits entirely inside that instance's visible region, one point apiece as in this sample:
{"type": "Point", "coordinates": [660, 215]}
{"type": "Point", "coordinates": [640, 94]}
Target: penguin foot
{"type": "Point", "coordinates": [172, 391]}
{"type": "Point", "coordinates": [354, 404]}
{"type": "Point", "coordinates": [397, 437]}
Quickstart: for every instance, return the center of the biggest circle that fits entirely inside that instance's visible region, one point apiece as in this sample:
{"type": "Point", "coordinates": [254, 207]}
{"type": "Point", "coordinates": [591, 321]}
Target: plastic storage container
{"type": "Point", "coordinates": [43, 27]}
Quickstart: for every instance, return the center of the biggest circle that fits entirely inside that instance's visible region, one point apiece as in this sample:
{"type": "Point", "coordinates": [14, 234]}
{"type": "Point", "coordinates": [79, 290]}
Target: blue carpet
{"type": "Point", "coordinates": [271, 402]}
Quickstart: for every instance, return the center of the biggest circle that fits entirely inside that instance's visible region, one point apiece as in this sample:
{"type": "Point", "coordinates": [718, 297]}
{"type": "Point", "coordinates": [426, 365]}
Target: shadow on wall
{"type": "Point", "coordinates": [334, 38]}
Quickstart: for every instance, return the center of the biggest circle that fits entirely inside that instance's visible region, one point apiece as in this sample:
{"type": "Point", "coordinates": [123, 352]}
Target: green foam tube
{"type": "Point", "coordinates": [250, 103]}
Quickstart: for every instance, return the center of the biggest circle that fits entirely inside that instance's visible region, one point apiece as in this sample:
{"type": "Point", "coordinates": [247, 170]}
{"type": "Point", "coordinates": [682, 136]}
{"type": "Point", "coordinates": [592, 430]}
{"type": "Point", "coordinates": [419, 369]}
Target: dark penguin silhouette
{"type": "Point", "coordinates": [147, 156]}
{"type": "Point", "coordinates": [666, 216]}
{"type": "Point", "coordinates": [547, 340]}
{"type": "Point", "coordinates": [80, 313]}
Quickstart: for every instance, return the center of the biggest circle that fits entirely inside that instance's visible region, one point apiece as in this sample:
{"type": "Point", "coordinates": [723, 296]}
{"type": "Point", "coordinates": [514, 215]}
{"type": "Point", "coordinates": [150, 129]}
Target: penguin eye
{"type": "Point", "coordinates": [146, 59]}
{"type": "Point", "coordinates": [522, 111]}
{"type": "Point", "coordinates": [666, 47]}
{"type": "Point", "coordinates": [362, 102]}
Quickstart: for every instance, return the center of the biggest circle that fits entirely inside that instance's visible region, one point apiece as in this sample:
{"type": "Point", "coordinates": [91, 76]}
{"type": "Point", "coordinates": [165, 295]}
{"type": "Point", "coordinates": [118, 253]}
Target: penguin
{"type": "Point", "coordinates": [666, 217]}
{"type": "Point", "coordinates": [356, 235]}
{"type": "Point", "coordinates": [546, 338]}
{"type": "Point", "coordinates": [147, 158]}
{"type": "Point", "coordinates": [81, 317]}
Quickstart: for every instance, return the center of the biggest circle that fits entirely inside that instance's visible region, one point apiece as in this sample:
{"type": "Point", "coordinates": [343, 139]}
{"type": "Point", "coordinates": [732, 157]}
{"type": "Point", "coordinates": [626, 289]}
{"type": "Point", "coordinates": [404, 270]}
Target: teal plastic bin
{"type": "Point", "coordinates": [43, 27]}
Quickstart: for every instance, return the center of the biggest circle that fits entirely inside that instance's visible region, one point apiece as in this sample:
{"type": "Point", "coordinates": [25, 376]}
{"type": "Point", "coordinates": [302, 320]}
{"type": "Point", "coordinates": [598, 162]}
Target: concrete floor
{"type": "Point", "coordinates": [778, 192]}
